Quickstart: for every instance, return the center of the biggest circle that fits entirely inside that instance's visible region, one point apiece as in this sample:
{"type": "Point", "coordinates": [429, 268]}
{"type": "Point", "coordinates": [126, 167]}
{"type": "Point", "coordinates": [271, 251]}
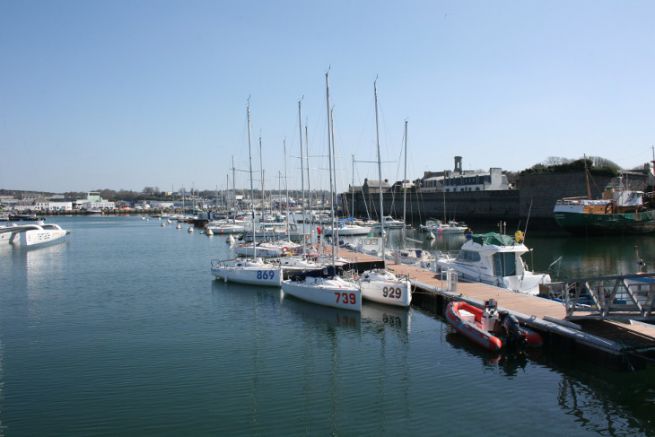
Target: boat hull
{"type": "Point", "coordinates": [471, 330]}
{"type": "Point", "coordinates": [265, 275]}
{"type": "Point", "coordinates": [396, 293]}
{"type": "Point", "coordinates": [316, 290]}
{"type": "Point", "coordinates": [642, 222]}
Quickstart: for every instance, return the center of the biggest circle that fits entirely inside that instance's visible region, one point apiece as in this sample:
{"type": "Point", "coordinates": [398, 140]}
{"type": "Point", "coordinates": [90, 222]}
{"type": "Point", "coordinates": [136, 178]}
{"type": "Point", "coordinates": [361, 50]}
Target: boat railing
{"type": "Point", "coordinates": [622, 296]}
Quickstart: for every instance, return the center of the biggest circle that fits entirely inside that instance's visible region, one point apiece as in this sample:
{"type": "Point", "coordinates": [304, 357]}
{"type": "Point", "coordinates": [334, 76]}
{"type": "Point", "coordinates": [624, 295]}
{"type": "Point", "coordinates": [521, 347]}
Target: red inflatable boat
{"type": "Point", "coordinates": [488, 328]}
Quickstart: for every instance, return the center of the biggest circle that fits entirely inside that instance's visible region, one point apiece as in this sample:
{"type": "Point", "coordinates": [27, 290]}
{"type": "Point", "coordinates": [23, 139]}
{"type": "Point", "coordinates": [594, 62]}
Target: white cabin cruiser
{"type": "Point", "coordinates": [495, 259]}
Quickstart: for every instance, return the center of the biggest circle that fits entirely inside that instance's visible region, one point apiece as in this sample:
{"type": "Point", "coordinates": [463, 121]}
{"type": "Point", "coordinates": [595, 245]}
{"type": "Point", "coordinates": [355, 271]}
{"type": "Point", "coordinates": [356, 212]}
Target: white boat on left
{"type": "Point", "coordinates": [248, 271]}
{"type": "Point", "coordinates": [33, 234]}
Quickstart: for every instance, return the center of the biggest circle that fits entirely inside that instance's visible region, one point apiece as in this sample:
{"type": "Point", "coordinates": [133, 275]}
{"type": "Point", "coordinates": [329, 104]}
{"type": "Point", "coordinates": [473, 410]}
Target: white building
{"type": "Point", "coordinates": [93, 201]}
{"type": "Point", "coordinates": [460, 180]}
{"type": "Point", "coordinates": [52, 206]}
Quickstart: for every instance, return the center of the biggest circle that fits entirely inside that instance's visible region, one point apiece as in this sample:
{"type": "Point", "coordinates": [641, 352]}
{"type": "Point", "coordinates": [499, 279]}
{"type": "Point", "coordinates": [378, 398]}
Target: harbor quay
{"type": "Point", "coordinates": [617, 342]}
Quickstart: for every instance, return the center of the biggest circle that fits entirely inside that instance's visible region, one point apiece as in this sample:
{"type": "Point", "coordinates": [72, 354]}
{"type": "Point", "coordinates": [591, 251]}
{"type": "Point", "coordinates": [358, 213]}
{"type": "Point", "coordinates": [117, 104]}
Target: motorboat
{"type": "Point", "coordinates": [489, 328]}
{"type": "Point", "coordinates": [416, 257]}
{"type": "Point", "coordinates": [247, 271]}
{"type": "Point", "coordinates": [33, 234]}
{"type": "Point", "coordinates": [437, 227]}
{"type": "Point", "coordinates": [346, 230]}
{"type": "Point", "coordinates": [268, 249]}
{"type": "Point", "coordinates": [221, 228]}
{"type": "Point", "coordinates": [495, 259]}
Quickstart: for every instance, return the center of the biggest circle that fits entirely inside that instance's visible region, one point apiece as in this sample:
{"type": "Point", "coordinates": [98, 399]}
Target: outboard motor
{"type": "Point", "coordinates": [513, 332]}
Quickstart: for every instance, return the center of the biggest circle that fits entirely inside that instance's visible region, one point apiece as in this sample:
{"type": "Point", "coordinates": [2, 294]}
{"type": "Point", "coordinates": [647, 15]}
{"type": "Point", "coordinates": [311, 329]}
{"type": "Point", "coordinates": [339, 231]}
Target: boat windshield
{"type": "Point", "coordinates": [504, 264]}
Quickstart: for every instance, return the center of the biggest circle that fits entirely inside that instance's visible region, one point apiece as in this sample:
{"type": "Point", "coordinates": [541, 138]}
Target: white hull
{"type": "Point", "coordinates": [386, 289]}
{"type": "Point", "coordinates": [527, 283]}
{"type": "Point", "coordinates": [349, 231]}
{"type": "Point", "coordinates": [336, 293]}
{"type": "Point", "coordinates": [248, 272]}
{"type": "Point", "coordinates": [32, 235]}
{"type": "Point", "coordinates": [226, 229]}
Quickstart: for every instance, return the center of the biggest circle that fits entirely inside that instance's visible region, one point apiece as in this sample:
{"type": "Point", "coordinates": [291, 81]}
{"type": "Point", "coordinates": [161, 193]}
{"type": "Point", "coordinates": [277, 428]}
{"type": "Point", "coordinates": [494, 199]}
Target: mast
{"type": "Point", "coordinates": [302, 176]}
{"type": "Point", "coordinates": [586, 175]}
{"type": "Point", "coordinates": [329, 134]}
{"type": "Point", "coordinates": [252, 190]}
{"type": "Point", "coordinates": [309, 186]}
{"type": "Point", "coordinates": [286, 188]}
{"type": "Point", "coordinates": [333, 195]}
{"type": "Point", "coordinates": [234, 191]}
{"type": "Point", "coordinates": [352, 192]}
{"type": "Point", "coordinates": [377, 141]}
{"type": "Point", "coordinates": [261, 171]}
{"type": "Point", "coordinates": [404, 187]}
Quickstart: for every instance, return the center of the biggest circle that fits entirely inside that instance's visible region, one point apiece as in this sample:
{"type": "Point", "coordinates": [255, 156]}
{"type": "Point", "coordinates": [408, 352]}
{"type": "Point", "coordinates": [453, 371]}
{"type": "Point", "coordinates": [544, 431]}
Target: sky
{"type": "Point", "coordinates": [125, 94]}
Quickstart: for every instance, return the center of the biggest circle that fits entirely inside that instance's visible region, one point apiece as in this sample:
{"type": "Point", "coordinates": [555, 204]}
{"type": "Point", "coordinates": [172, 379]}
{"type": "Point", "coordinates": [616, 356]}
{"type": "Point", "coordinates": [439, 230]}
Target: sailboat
{"type": "Point", "coordinates": [325, 287]}
{"type": "Point", "coordinates": [414, 256]}
{"type": "Point", "coordinates": [381, 285]}
{"type": "Point", "coordinates": [253, 270]}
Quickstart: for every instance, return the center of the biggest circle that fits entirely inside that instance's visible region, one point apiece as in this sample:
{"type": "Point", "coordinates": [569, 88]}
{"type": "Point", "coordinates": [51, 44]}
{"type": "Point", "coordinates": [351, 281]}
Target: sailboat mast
{"type": "Point", "coordinates": [404, 187]}
{"type": "Point", "coordinates": [252, 190]}
{"type": "Point", "coordinates": [352, 189]}
{"type": "Point", "coordinates": [261, 171]}
{"type": "Point", "coordinates": [286, 188]}
{"type": "Point", "coordinates": [377, 141]}
{"type": "Point", "coordinates": [309, 185]}
{"type": "Point", "coordinates": [329, 135]}
{"type": "Point", "coordinates": [234, 191]}
{"type": "Point", "coordinates": [302, 176]}
{"type": "Point", "coordinates": [333, 195]}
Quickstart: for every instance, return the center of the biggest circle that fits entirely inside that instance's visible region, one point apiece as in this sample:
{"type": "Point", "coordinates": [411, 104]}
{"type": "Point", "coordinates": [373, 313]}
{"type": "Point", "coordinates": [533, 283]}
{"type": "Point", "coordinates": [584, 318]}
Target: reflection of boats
{"type": "Point", "coordinates": [33, 235]}
{"type": "Point", "coordinates": [384, 316]}
{"type": "Point", "coordinates": [333, 317]}
{"type": "Point", "coordinates": [495, 259]}
{"type": "Point", "coordinates": [488, 328]}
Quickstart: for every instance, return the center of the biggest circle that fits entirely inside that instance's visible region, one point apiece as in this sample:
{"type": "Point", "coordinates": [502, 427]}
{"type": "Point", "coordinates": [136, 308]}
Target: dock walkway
{"type": "Point", "coordinates": [547, 316]}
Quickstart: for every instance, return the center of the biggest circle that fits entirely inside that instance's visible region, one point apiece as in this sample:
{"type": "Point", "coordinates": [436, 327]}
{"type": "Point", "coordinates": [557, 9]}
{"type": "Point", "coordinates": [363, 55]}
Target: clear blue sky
{"type": "Point", "coordinates": [126, 94]}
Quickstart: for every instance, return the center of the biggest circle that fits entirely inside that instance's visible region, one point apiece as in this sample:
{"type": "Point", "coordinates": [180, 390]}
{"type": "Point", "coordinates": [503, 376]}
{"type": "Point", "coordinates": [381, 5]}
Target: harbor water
{"type": "Point", "coordinates": [121, 330]}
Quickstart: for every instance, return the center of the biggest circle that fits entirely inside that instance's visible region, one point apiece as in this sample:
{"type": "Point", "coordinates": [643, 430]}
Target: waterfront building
{"type": "Point", "coordinates": [53, 206]}
{"type": "Point", "coordinates": [460, 180]}
{"type": "Point", "coordinates": [93, 201]}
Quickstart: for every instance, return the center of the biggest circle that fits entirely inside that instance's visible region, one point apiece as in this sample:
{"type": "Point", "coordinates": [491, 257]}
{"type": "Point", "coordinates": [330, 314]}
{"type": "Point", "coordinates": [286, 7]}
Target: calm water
{"type": "Point", "coordinates": [121, 330]}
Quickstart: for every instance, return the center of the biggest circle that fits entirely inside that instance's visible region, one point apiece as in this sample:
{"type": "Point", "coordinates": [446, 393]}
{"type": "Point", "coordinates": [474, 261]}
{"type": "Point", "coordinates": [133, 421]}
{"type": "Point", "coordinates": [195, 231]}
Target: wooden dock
{"type": "Point", "coordinates": [632, 341]}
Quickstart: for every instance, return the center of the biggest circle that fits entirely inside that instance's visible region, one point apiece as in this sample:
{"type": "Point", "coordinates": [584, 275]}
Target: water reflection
{"type": "Point", "coordinates": [601, 400]}
{"type": "Point", "coordinates": [322, 315]}
{"type": "Point", "coordinates": [510, 363]}
{"type": "Point", "coordinates": [384, 317]}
